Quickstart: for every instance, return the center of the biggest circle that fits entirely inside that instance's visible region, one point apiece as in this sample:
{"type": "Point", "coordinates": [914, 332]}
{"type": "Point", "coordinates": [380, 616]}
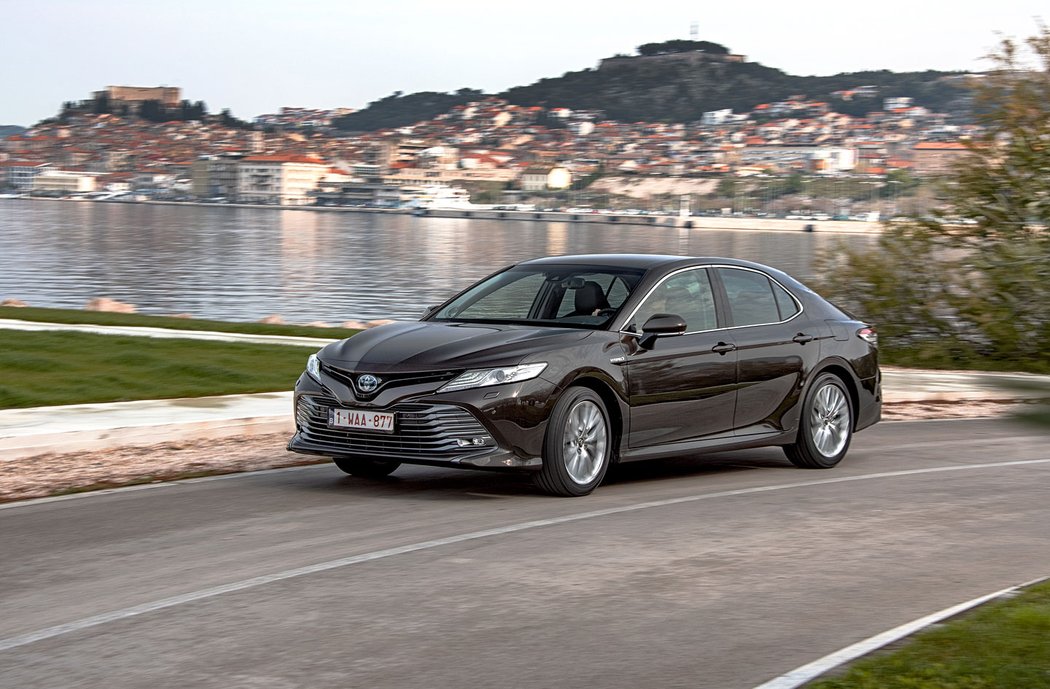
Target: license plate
{"type": "Point", "coordinates": [361, 420]}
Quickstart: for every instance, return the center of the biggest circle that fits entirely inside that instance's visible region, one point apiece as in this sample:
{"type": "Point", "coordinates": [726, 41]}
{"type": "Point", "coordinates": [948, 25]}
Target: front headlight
{"type": "Point", "coordinates": [494, 376]}
{"type": "Point", "coordinates": [313, 367]}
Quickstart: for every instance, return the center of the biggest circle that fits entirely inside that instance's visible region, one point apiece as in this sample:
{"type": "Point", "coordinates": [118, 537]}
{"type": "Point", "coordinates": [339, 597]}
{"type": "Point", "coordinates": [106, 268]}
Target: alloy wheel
{"type": "Point", "coordinates": [830, 420]}
{"type": "Point", "coordinates": [584, 442]}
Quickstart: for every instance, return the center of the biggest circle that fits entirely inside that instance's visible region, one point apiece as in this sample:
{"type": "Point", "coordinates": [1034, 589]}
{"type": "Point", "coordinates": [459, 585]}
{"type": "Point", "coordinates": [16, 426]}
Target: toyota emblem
{"type": "Point", "coordinates": [367, 383]}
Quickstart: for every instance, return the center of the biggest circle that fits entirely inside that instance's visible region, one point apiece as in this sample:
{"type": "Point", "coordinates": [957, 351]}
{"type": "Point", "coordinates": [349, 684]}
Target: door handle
{"type": "Point", "coordinates": [803, 338]}
{"type": "Point", "coordinates": [723, 348]}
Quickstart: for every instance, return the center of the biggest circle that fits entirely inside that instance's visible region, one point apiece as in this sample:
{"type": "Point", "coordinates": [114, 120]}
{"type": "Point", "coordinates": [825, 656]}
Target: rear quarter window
{"type": "Point", "coordinates": [785, 302]}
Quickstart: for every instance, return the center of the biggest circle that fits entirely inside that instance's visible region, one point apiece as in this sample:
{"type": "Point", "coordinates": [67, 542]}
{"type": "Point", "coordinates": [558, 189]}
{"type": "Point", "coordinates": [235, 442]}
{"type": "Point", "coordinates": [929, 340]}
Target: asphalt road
{"type": "Point", "coordinates": [719, 572]}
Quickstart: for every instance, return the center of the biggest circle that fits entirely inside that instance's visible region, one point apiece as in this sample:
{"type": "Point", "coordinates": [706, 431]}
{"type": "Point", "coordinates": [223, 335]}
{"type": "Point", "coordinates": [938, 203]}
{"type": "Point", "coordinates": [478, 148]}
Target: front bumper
{"type": "Point", "coordinates": [486, 428]}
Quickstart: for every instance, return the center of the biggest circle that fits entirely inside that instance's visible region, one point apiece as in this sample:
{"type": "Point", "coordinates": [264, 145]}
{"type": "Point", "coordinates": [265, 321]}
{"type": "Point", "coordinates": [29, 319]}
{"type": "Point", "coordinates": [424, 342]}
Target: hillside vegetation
{"type": "Point", "coordinates": [659, 85]}
{"type": "Point", "coordinates": [399, 110]}
{"type": "Point", "coordinates": [656, 91]}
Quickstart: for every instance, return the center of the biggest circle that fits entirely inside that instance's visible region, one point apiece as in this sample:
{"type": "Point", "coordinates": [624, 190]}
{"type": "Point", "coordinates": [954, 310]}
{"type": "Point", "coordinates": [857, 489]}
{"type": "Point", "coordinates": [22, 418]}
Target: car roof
{"type": "Point", "coordinates": [643, 261]}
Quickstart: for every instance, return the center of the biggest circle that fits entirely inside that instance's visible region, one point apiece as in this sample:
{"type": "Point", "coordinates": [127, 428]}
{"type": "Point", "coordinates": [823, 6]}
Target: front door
{"type": "Point", "coordinates": [684, 387]}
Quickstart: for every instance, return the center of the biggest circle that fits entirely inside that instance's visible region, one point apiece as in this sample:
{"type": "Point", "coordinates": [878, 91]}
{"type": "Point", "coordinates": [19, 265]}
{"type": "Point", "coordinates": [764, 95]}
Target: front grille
{"type": "Point", "coordinates": [387, 380]}
{"type": "Point", "coordinates": [421, 431]}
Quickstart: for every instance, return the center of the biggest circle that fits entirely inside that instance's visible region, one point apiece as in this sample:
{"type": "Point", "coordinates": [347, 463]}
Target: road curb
{"type": "Point", "coordinates": [164, 333]}
{"type": "Point", "coordinates": [83, 427]}
{"type": "Point", "coordinates": [811, 671]}
{"type": "Point", "coordinates": [141, 436]}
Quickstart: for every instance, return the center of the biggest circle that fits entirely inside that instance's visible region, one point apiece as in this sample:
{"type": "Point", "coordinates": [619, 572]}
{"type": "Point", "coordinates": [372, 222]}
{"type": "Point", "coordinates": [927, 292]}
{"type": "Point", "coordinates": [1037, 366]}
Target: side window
{"type": "Point", "coordinates": [688, 295]}
{"type": "Point", "coordinates": [751, 299]}
{"type": "Point", "coordinates": [788, 306]}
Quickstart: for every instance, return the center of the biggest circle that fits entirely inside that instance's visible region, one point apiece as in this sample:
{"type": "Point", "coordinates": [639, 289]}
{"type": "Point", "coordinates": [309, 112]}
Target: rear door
{"type": "Point", "coordinates": [776, 347]}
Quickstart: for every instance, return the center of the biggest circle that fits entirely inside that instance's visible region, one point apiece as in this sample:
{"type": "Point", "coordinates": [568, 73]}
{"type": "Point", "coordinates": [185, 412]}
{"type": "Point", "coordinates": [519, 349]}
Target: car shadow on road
{"type": "Point", "coordinates": [697, 465]}
{"type": "Point", "coordinates": [461, 485]}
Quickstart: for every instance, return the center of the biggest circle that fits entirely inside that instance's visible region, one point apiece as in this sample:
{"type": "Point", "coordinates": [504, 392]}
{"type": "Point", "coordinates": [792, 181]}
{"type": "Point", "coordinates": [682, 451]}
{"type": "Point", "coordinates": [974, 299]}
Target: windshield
{"type": "Point", "coordinates": [570, 296]}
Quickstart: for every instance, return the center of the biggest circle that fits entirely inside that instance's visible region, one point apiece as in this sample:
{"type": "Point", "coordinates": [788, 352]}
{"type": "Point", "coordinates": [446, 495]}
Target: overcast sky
{"type": "Point", "coordinates": [254, 56]}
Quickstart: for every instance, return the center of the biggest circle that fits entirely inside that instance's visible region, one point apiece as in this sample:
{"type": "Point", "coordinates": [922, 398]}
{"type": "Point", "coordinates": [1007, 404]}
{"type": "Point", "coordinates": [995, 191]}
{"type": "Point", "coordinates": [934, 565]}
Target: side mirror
{"type": "Point", "coordinates": [429, 311]}
{"type": "Point", "coordinates": [660, 324]}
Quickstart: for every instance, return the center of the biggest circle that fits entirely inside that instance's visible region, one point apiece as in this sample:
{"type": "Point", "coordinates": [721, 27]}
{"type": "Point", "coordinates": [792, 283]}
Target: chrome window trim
{"type": "Point", "coordinates": [799, 304]}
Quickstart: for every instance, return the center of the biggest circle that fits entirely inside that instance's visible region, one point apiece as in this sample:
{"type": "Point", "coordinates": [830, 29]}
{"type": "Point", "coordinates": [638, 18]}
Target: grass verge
{"type": "Point", "coordinates": [49, 368]}
{"type": "Point", "coordinates": [39, 315]}
{"type": "Point", "coordinates": [1004, 645]}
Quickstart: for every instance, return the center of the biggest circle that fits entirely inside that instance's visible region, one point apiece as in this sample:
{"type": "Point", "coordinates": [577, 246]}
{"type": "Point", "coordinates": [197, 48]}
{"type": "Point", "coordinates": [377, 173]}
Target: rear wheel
{"type": "Point", "coordinates": [365, 468]}
{"type": "Point", "coordinates": [826, 426]}
{"type": "Point", "coordinates": [578, 446]}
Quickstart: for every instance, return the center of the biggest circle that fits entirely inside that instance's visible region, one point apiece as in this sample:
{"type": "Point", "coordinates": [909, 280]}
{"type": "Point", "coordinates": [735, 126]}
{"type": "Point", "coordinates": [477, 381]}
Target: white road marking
{"type": "Point", "coordinates": [164, 333]}
{"type": "Point", "coordinates": [810, 671]}
{"type": "Point", "coordinates": [153, 606]}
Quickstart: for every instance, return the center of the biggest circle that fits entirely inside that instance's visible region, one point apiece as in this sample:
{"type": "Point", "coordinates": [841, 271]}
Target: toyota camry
{"type": "Point", "coordinates": [564, 366]}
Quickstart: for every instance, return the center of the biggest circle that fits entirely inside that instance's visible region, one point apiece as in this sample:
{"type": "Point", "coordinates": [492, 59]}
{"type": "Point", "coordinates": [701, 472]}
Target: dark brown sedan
{"type": "Point", "coordinates": [565, 365]}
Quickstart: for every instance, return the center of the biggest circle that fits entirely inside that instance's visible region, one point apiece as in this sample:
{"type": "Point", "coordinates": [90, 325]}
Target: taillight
{"type": "Point", "coordinates": [869, 335]}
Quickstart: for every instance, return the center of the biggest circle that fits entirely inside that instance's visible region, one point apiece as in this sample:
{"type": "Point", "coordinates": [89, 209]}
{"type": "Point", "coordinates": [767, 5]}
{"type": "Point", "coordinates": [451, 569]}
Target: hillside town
{"type": "Point", "coordinates": [497, 151]}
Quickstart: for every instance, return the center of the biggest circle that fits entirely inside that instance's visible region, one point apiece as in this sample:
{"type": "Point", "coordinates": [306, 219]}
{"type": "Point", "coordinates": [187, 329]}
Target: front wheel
{"type": "Point", "coordinates": [826, 426]}
{"type": "Point", "coordinates": [365, 468]}
{"type": "Point", "coordinates": [578, 447]}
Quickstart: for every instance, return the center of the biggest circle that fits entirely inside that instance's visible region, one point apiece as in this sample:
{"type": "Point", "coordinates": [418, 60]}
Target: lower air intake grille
{"type": "Point", "coordinates": [423, 431]}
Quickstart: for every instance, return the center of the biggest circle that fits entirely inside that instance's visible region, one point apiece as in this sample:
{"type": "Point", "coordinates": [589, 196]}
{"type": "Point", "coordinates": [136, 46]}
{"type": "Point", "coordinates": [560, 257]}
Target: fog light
{"type": "Point", "coordinates": [472, 442]}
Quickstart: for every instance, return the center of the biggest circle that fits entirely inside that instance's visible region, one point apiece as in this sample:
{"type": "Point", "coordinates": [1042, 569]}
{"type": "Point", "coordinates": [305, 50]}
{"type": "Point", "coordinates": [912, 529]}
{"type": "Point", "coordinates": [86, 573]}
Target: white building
{"type": "Point", "coordinates": [280, 180]}
{"type": "Point", "coordinates": [544, 178]}
{"type": "Point", "coordinates": [899, 103]}
{"type": "Point", "coordinates": [716, 117]}
{"type": "Point", "coordinates": [833, 160]}
{"type": "Point", "coordinates": [581, 127]}
{"type": "Point", "coordinates": [20, 174]}
{"type": "Point", "coordinates": [65, 182]}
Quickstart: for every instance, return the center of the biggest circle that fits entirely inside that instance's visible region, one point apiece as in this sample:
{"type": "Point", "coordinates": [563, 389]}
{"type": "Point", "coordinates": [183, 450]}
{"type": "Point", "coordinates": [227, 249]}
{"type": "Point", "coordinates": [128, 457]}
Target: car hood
{"type": "Point", "coordinates": [425, 346]}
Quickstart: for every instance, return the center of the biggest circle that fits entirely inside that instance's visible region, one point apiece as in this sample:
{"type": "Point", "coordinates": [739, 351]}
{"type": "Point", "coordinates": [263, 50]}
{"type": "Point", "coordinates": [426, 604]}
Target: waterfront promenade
{"type": "Point", "coordinates": [28, 432]}
{"type": "Point", "coordinates": [482, 212]}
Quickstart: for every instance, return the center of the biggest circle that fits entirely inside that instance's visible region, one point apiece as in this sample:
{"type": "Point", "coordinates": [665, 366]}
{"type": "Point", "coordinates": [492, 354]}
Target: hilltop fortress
{"type": "Point", "coordinates": [168, 96]}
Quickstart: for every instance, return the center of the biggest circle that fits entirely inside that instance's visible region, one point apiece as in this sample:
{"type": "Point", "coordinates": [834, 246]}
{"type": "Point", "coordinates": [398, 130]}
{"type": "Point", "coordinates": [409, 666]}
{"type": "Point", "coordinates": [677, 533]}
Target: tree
{"type": "Point", "coordinates": [101, 104]}
{"type": "Point", "coordinates": [153, 110]}
{"type": "Point", "coordinates": [794, 184]}
{"type": "Point", "coordinates": [970, 284]}
{"type": "Point", "coordinates": [399, 110]}
{"type": "Point", "coordinates": [727, 188]}
{"type": "Point", "coordinates": [681, 46]}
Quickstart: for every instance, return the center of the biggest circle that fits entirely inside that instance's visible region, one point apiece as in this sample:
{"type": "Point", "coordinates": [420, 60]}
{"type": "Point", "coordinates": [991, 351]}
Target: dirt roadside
{"type": "Point", "coordinates": [57, 474]}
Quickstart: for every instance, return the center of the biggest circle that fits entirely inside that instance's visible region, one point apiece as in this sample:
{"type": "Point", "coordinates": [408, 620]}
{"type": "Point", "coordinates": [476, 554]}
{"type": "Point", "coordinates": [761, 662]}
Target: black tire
{"type": "Point", "coordinates": [365, 468]}
{"type": "Point", "coordinates": [578, 447]}
{"type": "Point", "coordinates": [825, 425]}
